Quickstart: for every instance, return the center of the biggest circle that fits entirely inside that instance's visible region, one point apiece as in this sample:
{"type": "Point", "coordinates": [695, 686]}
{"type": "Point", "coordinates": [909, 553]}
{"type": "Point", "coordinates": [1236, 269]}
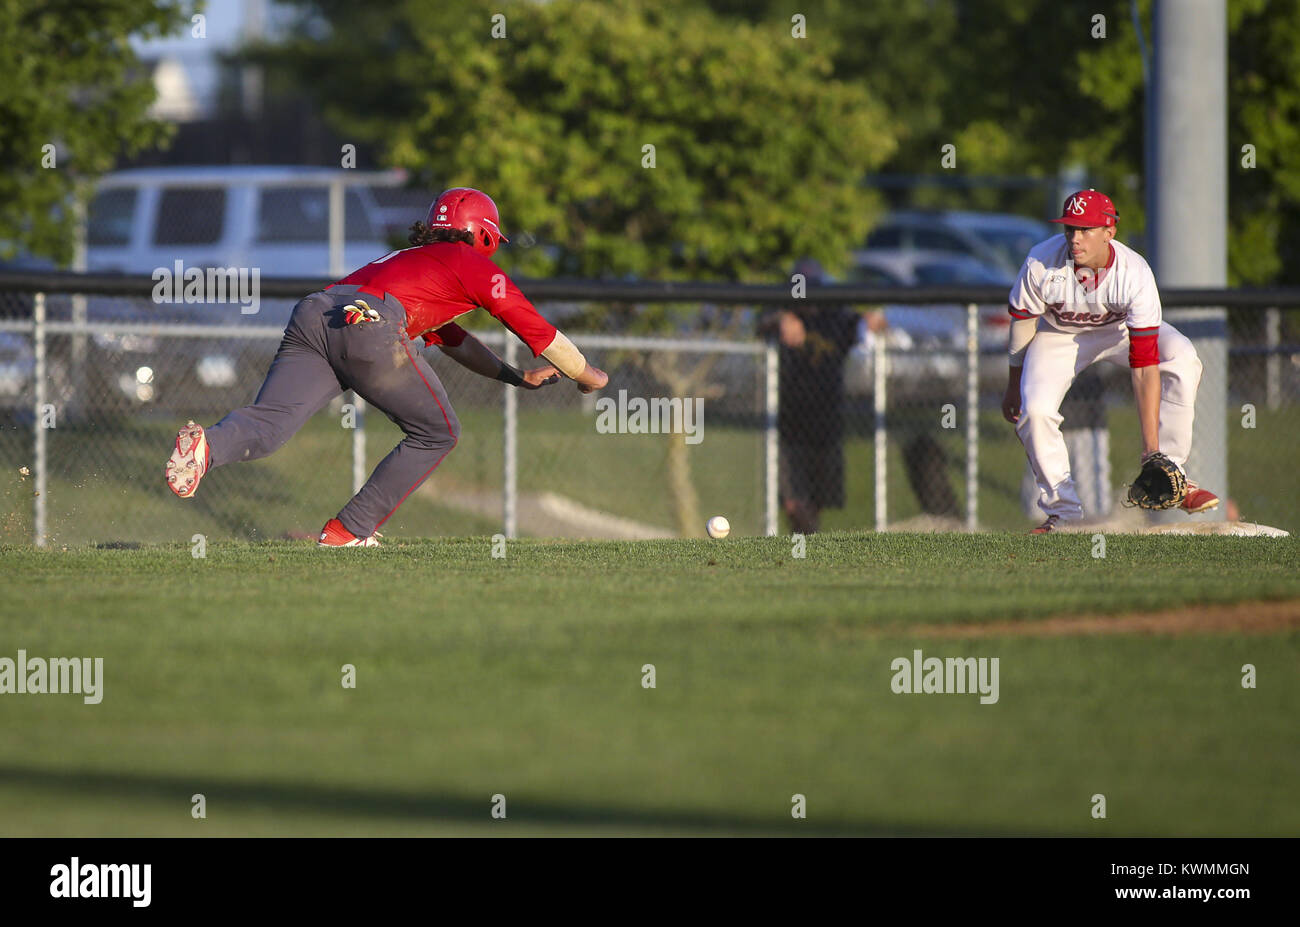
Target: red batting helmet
{"type": "Point", "coordinates": [471, 210]}
{"type": "Point", "coordinates": [1087, 209]}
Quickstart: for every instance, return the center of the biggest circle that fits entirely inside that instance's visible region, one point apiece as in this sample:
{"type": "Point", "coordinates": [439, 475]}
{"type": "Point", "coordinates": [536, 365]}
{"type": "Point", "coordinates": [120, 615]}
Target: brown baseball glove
{"type": "Point", "coordinates": [1160, 485]}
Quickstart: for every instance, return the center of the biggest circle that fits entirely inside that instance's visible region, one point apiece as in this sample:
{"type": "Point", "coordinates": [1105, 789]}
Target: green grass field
{"type": "Point", "coordinates": [522, 676]}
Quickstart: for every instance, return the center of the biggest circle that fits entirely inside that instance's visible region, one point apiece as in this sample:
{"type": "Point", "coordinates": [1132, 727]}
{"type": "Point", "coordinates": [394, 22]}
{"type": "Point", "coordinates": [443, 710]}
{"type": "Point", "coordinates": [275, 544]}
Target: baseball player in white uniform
{"type": "Point", "coordinates": [1083, 297]}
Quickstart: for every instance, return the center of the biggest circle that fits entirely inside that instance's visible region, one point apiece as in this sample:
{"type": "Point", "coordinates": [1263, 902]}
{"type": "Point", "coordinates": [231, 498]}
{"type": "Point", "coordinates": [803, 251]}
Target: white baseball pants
{"type": "Point", "coordinates": [1054, 359]}
{"type": "Point", "coordinates": [1089, 450]}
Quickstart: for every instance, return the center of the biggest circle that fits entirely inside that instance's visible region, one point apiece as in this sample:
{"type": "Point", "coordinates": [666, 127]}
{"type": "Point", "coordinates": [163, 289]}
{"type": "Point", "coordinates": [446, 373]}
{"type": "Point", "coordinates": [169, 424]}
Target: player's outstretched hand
{"type": "Point", "coordinates": [542, 376]}
{"type": "Point", "coordinates": [1011, 403]}
{"type": "Point", "coordinates": [593, 378]}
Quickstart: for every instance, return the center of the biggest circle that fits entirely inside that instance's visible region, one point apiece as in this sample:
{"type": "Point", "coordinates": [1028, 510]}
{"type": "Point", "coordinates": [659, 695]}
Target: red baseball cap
{"type": "Point", "coordinates": [1087, 209]}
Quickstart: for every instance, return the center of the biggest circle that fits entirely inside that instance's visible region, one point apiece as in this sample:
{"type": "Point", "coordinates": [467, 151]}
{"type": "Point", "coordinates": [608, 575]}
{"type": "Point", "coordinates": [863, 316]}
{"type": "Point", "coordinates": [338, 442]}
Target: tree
{"type": "Point", "coordinates": [73, 100]}
{"type": "Point", "coordinates": [1034, 89]}
{"type": "Point", "coordinates": [643, 138]}
{"type": "Point", "coordinates": [1264, 113]}
{"type": "Point", "coordinates": [1107, 130]}
{"type": "Point", "coordinates": [900, 52]}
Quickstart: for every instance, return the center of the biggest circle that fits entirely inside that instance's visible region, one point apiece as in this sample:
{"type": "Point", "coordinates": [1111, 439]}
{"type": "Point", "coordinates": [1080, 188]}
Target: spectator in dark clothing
{"type": "Point", "coordinates": [814, 342]}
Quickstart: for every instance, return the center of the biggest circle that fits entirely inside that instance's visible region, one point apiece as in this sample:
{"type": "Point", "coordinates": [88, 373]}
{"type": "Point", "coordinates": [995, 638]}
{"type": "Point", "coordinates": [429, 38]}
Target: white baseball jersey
{"type": "Point", "coordinates": [1081, 299]}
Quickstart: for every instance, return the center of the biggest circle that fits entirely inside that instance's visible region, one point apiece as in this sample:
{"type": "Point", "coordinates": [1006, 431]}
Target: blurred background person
{"type": "Point", "coordinates": [814, 341]}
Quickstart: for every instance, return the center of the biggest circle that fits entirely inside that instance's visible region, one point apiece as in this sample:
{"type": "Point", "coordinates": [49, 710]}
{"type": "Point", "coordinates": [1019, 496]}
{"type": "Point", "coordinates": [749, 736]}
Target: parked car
{"type": "Point", "coordinates": [946, 324]}
{"type": "Point", "coordinates": [1010, 236]}
{"type": "Point", "coordinates": [274, 220]}
{"type": "Point", "coordinates": [17, 365]}
{"type": "Point", "coordinates": [17, 357]}
{"type": "Point", "coordinates": [995, 240]}
{"type": "Point", "coordinates": [927, 342]}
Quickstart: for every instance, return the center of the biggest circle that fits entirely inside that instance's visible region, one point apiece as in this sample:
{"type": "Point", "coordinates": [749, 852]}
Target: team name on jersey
{"type": "Point", "coordinates": [1085, 318]}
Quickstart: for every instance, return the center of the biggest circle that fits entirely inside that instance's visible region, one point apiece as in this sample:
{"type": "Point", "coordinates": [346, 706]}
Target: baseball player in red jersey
{"type": "Point", "coordinates": [1083, 297]}
{"type": "Point", "coordinates": [357, 334]}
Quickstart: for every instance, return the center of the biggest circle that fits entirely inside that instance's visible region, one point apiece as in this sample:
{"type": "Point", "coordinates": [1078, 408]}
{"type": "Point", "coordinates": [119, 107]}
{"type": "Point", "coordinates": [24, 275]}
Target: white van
{"type": "Point", "coordinates": [274, 218]}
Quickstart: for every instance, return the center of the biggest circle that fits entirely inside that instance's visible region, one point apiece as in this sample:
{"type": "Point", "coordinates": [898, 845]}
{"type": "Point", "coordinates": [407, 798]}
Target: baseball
{"type": "Point", "coordinates": [718, 527]}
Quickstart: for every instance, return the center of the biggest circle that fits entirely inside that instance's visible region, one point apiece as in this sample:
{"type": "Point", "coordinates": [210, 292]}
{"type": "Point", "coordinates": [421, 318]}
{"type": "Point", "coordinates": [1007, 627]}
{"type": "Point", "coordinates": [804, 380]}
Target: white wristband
{"type": "Point", "coordinates": [565, 356]}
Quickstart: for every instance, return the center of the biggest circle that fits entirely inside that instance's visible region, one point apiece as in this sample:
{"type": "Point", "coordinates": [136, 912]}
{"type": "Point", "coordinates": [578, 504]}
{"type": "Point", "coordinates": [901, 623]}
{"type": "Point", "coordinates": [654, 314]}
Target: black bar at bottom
{"type": "Point", "coordinates": [645, 878]}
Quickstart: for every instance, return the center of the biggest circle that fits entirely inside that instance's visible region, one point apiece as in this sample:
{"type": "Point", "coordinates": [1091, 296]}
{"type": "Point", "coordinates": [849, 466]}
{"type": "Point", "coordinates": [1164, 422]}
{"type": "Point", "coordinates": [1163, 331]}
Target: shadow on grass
{"type": "Point", "coordinates": [433, 808]}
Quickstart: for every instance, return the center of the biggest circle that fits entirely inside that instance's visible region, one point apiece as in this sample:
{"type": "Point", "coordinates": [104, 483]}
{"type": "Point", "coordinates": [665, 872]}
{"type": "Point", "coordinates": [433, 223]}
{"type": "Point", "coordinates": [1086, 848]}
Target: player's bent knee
{"type": "Point", "coordinates": [435, 436]}
{"type": "Point", "coordinates": [448, 434]}
{"type": "Point", "coordinates": [1039, 412]}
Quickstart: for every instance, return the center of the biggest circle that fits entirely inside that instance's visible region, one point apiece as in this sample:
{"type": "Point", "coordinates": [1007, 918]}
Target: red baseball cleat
{"type": "Point", "coordinates": [1198, 500]}
{"type": "Point", "coordinates": [1048, 526]}
{"type": "Point", "coordinates": [189, 461]}
{"type": "Point", "coordinates": [335, 535]}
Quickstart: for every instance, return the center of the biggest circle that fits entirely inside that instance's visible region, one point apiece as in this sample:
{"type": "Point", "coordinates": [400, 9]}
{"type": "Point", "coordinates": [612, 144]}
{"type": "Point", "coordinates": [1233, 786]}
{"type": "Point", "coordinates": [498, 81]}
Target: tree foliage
{"type": "Point", "coordinates": [1264, 113]}
{"type": "Point", "coordinates": [758, 150]}
{"type": "Point", "coordinates": [1035, 89]}
{"type": "Point", "coordinates": [71, 81]}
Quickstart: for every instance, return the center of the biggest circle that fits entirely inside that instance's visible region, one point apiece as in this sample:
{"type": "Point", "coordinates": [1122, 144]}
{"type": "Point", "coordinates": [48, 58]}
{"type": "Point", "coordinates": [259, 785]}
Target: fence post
{"type": "Point", "coordinates": [336, 229]}
{"type": "Point", "coordinates": [771, 403]}
{"type": "Point", "coordinates": [1273, 364]}
{"type": "Point", "coordinates": [510, 482]}
{"type": "Point", "coordinates": [358, 444]}
{"type": "Point", "coordinates": [878, 396]}
{"type": "Point", "coordinates": [972, 415]}
{"type": "Point", "coordinates": [38, 348]}
{"type": "Point", "coordinates": [80, 315]}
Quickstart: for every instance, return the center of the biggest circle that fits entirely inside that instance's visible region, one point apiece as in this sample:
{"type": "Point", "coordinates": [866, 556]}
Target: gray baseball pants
{"type": "Point", "coordinates": [320, 357]}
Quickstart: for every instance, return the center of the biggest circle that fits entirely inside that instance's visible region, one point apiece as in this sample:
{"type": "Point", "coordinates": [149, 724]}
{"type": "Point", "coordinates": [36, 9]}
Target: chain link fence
{"type": "Point", "coordinates": [948, 469]}
{"type": "Point", "coordinates": [870, 401]}
{"type": "Point", "coordinates": [89, 410]}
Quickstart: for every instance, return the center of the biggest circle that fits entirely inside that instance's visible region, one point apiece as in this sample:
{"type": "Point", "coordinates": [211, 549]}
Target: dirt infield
{"type": "Point", "coordinates": [1238, 618]}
